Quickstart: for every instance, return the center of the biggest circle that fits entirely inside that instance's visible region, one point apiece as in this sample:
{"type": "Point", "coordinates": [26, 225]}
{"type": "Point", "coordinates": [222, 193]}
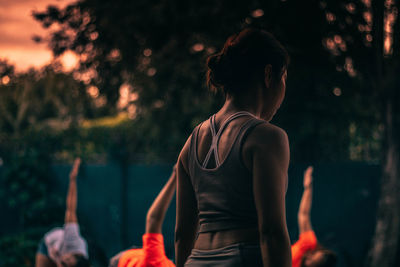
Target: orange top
{"type": "Point", "coordinates": [151, 255]}
{"type": "Point", "coordinates": [307, 241]}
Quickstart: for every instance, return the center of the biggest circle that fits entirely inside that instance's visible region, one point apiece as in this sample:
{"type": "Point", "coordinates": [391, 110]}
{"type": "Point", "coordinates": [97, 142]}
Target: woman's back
{"type": "Point", "coordinates": [222, 183]}
{"type": "Point", "coordinates": [232, 180]}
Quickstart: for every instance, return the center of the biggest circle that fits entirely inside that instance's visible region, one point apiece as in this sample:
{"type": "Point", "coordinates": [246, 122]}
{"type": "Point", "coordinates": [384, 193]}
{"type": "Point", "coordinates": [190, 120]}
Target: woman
{"type": "Point", "coordinates": [65, 246]}
{"type": "Point", "coordinates": [232, 171]}
{"type": "Point", "coordinates": [307, 252]}
{"type": "Point", "coordinates": [153, 253]}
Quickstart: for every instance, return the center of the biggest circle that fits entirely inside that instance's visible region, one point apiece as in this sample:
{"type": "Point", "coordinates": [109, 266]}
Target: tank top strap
{"type": "Point", "coordinates": [192, 154]}
{"type": "Point", "coordinates": [217, 135]}
{"type": "Point", "coordinates": [229, 119]}
{"type": "Point", "coordinates": [241, 137]}
{"type": "Point", "coordinates": [213, 125]}
{"type": "Point", "coordinates": [213, 146]}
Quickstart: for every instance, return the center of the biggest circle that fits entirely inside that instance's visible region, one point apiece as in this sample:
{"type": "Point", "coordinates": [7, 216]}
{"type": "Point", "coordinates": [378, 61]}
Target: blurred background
{"type": "Point", "coordinates": [122, 84]}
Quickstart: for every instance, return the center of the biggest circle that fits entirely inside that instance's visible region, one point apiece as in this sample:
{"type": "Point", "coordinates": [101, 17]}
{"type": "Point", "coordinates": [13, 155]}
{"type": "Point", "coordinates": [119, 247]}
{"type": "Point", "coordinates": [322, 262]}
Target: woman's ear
{"type": "Point", "coordinates": [268, 75]}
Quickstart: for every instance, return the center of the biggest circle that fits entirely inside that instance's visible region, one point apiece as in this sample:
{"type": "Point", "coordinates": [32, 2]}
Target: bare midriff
{"type": "Point", "coordinates": [214, 240]}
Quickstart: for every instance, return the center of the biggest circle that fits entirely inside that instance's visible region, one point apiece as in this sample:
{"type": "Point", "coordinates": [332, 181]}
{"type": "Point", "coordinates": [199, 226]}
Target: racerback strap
{"type": "Point", "coordinates": [217, 135]}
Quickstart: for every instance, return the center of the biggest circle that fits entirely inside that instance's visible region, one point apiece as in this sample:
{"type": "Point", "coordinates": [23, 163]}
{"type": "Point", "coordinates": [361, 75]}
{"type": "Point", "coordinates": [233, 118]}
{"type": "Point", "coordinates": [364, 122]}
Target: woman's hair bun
{"type": "Point", "coordinates": [243, 58]}
{"type": "Point", "coordinates": [215, 69]}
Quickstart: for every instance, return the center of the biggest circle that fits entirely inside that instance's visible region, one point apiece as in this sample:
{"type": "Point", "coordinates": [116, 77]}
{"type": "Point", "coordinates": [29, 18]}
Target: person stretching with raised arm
{"type": "Point", "coordinates": [307, 252]}
{"type": "Point", "coordinates": [65, 246]}
{"type": "Point", "coordinates": [153, 253]}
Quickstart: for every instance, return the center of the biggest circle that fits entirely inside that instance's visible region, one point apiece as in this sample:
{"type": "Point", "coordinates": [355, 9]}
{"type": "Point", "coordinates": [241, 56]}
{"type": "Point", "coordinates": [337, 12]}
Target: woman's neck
{"type": "Point", "coordinates": [233, 105]}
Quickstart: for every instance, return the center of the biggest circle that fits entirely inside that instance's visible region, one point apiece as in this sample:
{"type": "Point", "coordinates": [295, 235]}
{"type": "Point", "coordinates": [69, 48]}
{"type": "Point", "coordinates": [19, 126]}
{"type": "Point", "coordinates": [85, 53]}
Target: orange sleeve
{"type": "Point", "coordinates": [131, 258]}
{"type": "Point", "coordinates": [307, 241]}
{"type": "Point", "coordinates": [154, 251]}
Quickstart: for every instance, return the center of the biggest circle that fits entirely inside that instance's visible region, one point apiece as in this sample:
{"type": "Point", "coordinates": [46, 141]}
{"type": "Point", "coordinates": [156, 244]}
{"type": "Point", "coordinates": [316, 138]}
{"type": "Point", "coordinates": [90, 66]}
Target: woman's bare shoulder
{"type": "Point", "coordinates": [184, 154]}
{"type": "Point", "coordinates": [267, 134]}
{"type": "Point", "coordinates": [265, 140]}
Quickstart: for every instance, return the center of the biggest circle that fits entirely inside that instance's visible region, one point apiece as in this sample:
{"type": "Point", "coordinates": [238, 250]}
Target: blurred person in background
{"type": "Point", "coordinates": [307, 252]}
{"type": "Point", "coordinates": [232, 171]}
{"type": "Point", "coordinates": [65, 247]}
{"type": "Point", "coordinates": [153, 252]}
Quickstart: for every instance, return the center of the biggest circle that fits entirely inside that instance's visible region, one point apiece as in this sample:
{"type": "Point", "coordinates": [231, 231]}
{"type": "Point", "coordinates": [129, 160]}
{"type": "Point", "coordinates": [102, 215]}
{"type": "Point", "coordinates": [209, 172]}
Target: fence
{"type": "Point", "coordinates": [113, 201]}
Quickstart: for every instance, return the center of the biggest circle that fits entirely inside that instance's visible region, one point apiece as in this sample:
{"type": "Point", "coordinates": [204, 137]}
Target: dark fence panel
{"type": "Point", "coordinates": [343, 212]}
{"type": "Point", "coordinates": [344, 207]}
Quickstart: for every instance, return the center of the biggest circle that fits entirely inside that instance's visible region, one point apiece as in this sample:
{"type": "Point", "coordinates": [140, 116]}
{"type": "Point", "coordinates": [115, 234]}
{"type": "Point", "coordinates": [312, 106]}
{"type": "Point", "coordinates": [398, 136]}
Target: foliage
{"type": "Point", "coordinates": [27, 199]}
{"type": "Point", "coordinates": [26, 183]}
{"type": "Point", "coordinates": [159, 50]}
{"type": "Point", "coordinates": [39, 99]}
{"type": "Point", "coordinates": [365, 35]}
{"type": "Point", "coordinates": [19, 249]}
{"type": "Point", "coordinates": [103, 140]}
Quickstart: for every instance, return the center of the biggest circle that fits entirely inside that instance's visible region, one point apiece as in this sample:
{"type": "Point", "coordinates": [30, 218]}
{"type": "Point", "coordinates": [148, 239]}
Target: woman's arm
{"type": "Point", "coordinates": [72, 196]}
{"type": "Point", "coordinates": [267, 148]}
{"type": "Point", "coordinates": [43, 261]}
{"type": "Point", "coordinates": [156, 214]}
{"type": "Point", "coordinates": [186, 211]}
{"type": "Point", "coordinates": [303, 216]}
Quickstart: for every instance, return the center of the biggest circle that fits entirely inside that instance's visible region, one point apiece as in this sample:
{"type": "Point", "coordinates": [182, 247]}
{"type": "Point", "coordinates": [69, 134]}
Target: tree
{"type": "Point", "coordinates": [159, 50]}
{"type": "Point", "coordinates": [38, 99]}
{"type": "Point", "coordinates": [365, 37]}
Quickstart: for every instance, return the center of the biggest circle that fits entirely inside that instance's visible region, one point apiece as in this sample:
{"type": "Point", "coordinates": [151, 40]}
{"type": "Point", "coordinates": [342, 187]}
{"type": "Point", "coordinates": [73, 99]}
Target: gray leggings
{"type": "Point", "coordinates": [237, 255]}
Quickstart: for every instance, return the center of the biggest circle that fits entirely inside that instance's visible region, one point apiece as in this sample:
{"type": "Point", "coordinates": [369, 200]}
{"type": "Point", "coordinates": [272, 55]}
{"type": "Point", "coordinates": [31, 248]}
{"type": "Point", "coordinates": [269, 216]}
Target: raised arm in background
{"type": "Point", "coordinates": [303, 216]}
{"type": "Point", "coordinates": [72, 195]}
{"type": "Point", "coordinates": [267, 151]}
{"type": "Point", "coordinates": [186, 210]}
{"type": "Point", "coordinates": [70, 213]}
{"type": "Point", "coordinates": [156, 213]}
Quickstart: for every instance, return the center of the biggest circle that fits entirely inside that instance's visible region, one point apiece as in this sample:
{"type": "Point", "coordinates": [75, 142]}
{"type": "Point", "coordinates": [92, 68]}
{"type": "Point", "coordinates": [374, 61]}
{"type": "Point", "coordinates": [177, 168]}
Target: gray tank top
{"type": "Point", "coordinates": [225, 193]}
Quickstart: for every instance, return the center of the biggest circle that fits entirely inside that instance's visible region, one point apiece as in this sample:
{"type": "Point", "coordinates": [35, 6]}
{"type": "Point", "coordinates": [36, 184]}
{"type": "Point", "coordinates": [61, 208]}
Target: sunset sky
{"type": "Point", "coordinates": [17, 27]}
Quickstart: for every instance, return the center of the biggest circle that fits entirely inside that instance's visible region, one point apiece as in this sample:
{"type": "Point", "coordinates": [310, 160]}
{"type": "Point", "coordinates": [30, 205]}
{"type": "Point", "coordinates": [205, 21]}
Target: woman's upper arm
{"type": "Point", "coordinates": [186, 200]}
{"type": "Point", "coordinates": [186, 210]}
{"type": "Point", "coordinates": [268, 147]}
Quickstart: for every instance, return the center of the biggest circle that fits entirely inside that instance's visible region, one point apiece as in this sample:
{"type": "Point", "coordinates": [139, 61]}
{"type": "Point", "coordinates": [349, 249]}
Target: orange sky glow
{"type": "Point", "coordinates": [17, 27]}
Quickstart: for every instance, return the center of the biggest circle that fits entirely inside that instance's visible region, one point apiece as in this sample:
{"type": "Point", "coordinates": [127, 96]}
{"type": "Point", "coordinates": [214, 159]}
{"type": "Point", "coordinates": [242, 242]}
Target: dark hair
{"type": "Point", "coordinates": [243, 59]}
{"type": "Point", "coordinates": [328, 260]}
{"type": "Point", "coordinates": [81, 261]}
